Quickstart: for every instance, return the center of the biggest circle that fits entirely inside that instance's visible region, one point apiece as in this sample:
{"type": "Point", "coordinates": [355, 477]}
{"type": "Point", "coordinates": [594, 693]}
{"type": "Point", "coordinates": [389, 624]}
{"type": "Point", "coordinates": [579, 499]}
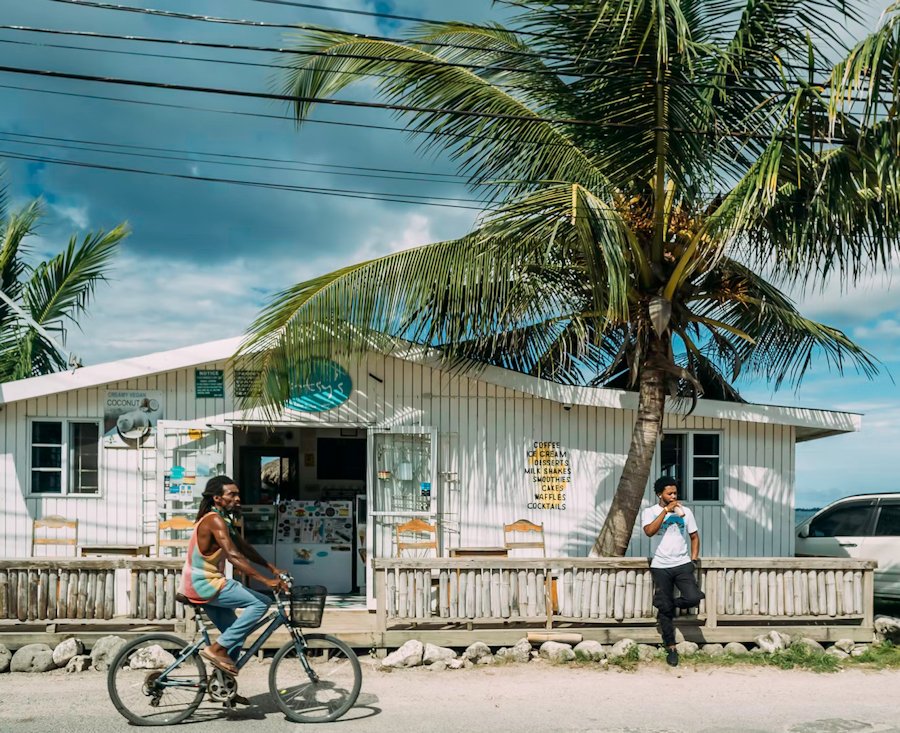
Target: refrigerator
{"type": "Point", "coordinates": [314, 542]}
{"type": "Point", "coordinates": [258, 528]}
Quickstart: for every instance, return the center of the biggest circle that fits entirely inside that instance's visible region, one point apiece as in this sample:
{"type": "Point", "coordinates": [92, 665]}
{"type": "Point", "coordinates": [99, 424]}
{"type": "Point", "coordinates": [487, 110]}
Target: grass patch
{"type": "Point", "coordinates": [797, 657]}
{"type": "Point", "coordinates": [628, 662]}
{"type": "Point", "coordinates": [878, 656]}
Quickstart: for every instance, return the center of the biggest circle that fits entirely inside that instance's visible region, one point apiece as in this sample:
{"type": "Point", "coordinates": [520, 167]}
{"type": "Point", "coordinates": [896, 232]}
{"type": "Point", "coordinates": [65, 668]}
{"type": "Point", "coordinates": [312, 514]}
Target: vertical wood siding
{"type": "Point", "coordinates": [484, 432]}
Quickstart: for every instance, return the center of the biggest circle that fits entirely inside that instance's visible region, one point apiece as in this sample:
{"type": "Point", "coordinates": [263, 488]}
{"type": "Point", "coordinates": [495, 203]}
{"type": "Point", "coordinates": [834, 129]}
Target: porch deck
{"type": "Point", "coordinates": [453, 602]}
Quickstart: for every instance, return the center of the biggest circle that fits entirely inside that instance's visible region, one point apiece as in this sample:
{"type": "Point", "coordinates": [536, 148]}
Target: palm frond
{"type": "Point", "coordinates": [870, 69]}
{"type": "Point", "coordinates": [57, 292]}
{"type": "Point", "coordinates": [783, 344]}
{"type": "Point", "coordinates": [491, 132]}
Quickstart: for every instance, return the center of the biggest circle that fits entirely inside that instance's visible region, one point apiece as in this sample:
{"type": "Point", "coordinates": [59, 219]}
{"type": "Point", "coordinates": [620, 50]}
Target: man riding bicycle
{"type": "Point", "coordinates": [213, 541]}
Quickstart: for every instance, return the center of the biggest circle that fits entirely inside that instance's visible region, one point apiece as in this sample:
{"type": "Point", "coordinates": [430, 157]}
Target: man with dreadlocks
{"type": "Point", "coordinates": [213, 541]}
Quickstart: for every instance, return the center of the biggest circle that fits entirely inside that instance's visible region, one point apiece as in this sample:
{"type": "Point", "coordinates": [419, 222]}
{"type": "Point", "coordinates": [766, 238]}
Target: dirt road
{"type": "Point", "coordinates": [526, 698]}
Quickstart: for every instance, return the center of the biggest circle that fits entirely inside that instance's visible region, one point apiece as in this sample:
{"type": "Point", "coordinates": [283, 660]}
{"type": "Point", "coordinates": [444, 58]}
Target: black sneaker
{"type": "Point", "coordinates": [672, 658]}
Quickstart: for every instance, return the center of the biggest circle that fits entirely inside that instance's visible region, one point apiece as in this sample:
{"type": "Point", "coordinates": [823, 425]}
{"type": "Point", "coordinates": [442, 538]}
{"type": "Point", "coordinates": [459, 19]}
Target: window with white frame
{"type": "Point", "coordinates": [65, 457]}
{"type": "Point", "coordinates": [695, 460]}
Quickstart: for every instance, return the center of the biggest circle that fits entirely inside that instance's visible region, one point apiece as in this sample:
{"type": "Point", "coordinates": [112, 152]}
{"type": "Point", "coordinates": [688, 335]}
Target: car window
{"type": "Point", "coordinates": [888, 521]}
{"type": "Point", "coordinates": [844, 521]}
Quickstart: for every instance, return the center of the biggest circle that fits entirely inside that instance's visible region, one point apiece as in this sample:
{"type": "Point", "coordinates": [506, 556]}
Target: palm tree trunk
{"type": "Point", "coordinates": [616, 532]}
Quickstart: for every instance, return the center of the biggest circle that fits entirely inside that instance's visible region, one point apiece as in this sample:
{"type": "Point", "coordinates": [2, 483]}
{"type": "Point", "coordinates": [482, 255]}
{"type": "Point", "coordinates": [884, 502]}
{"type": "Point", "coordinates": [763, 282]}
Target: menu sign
{"type": "Point", "coordinates": [549, 472]}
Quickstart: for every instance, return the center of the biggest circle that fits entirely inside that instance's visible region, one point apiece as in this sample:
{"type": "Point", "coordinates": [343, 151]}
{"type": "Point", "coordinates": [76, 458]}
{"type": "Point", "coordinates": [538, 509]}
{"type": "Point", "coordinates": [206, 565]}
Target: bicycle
{"type": "Point", "coordinates": [160, 679]}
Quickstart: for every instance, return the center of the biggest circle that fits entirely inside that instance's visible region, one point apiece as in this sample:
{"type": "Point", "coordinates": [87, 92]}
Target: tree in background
{"type": "Point", "coordinates": [654, 172]}
{"type": "Point", "coordinates": [54, 293]}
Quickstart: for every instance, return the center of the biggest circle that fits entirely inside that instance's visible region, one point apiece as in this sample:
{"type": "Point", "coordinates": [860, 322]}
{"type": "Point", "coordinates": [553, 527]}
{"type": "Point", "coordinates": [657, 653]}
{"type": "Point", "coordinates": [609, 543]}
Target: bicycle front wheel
{"type": "Point", "coordinates": [144, 692]}
{"type": "Point", "coordinates": [325, 692]}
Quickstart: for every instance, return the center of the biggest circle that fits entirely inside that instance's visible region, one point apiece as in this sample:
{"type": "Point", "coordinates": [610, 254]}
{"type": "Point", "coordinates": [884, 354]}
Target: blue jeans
{"type": "Point", "coordinates": [221, 612]}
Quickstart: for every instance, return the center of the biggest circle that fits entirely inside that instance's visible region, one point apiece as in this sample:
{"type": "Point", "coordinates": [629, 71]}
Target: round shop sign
{"type": "Point", "coordinates": [324, 386]}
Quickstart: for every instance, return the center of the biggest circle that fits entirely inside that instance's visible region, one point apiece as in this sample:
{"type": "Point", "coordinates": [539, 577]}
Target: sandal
{"type": "Point", "coordinates": [226, 667]}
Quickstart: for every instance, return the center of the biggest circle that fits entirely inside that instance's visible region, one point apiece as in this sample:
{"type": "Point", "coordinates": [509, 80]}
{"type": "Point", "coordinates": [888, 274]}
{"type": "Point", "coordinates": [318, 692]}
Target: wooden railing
{"type": "Point", "coordinates": [618, 591]}
{"type": "Point", "coordinates": [57, 588]}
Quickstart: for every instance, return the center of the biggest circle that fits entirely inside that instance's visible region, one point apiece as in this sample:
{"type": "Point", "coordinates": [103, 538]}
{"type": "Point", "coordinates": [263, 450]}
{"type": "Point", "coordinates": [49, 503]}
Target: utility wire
{"type": "Point", "coordinates": [729, 86]}
{"type": "Point", "coordinates": [230, 62]}
{"type": "Point", "coordinates": [404, 41]}
{"type": "Point", "coordinates": [741, 134]}
{"type": "Point", "coordinates": [97, 147]}
{"type": "Point", "coordinates": [304, 26]}
{"type": "Point", "coordinates": [293, 98]}
{"type": "Point", "coordinates": [262, 115]}
{"type": "Point", "coordinates": [341, 193]}
{"type": "Point", "coordinates": [87, 145]}
{"type": "Point", "coordinates": [432, 21]}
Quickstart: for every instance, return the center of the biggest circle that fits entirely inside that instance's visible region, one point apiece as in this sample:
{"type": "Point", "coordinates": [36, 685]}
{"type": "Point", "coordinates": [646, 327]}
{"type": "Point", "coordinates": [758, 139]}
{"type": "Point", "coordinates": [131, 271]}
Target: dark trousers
{"type": "Point", "coordinates": [666, 581]}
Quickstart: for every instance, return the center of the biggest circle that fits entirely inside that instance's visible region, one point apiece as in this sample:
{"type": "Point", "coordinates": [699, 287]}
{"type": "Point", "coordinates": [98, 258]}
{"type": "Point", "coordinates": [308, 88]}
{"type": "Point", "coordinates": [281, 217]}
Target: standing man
{"type": "Point", "coordinates": [675, 544]}
{"type": "Point", "coordinates": [214, 540]}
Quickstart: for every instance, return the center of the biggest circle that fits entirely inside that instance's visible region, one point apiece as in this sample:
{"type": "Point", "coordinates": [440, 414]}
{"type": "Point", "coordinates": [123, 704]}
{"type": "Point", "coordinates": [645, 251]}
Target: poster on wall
{"type": "Point", "coordinates": [130, 417]}
{"type": "Point", "coordinates": [549, 472]}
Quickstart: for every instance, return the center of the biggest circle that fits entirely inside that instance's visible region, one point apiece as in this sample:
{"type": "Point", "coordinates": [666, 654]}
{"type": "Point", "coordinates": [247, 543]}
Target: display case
{"type": "Point", "coordinates": [314, 542]}
{"type": "Point", "coordinates": [258, 524]}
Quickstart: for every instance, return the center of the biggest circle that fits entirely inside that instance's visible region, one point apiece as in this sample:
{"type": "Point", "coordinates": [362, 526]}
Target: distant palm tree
{"type": "Point", "coordinates": [53, 293]}
{"type": "Point", "coordinates": [650, 169]}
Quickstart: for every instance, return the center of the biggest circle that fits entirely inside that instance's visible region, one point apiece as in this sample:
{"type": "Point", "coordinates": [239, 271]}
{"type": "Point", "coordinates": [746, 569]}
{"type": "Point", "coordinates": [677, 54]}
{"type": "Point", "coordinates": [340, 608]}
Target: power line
{"type": "Point", "coordinates": [262, 115]}
{"type": "Point", "coordinates": [273, 49]}
{"type": "Point", "coordinates": [55, 141]}
{"type": "Point", "coordinates": [386, 106]}
{"type": "Point", "coordinates": [175, 15]}
{"type": "Point", "coordinates": [94, 147]}
{"type": "Point", "coordinates": [292, 98]}
{"type": "Point", "coordinates": [231, 62]}
{"type": "Point", "coordinates": [232, 155]}
{"type": "Point", "coordinates": [96, 4]}
{"type": "Point", "coordinates": [431, 21]}
{"type": "Point", "coordinates": [341, 193]}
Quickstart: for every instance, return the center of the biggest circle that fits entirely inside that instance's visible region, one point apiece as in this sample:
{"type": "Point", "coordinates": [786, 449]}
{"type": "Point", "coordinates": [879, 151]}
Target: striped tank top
{"type": "Point", "coordinates": [203, 576]}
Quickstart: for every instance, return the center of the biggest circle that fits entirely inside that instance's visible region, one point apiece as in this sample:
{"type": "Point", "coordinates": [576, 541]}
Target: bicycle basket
{"type": "Point", "coordinates": [307, 606]}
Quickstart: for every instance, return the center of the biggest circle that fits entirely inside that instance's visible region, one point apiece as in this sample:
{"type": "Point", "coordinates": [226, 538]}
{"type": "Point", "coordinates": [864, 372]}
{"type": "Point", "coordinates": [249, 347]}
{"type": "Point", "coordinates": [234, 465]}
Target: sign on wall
{"type": "Point", "coordinates": [549, 473]}
{"type": "Point", "coordinates": [130, 417]}
{"type": "Point", "coordinates": [324, 386]}
{"type": "Point", "coordinates": [209, 384]}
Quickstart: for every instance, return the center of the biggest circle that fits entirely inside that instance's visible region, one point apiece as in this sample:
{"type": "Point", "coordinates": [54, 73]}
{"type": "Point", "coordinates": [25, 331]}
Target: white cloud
{"type": "Point", "coordinates": [886, 328]}
{"type": "Point", "coordinates": [153, 306]}
{"type": "Point", "coordinates": [77, 215]}
{"type": "Point", "coordinates": [416, 230]}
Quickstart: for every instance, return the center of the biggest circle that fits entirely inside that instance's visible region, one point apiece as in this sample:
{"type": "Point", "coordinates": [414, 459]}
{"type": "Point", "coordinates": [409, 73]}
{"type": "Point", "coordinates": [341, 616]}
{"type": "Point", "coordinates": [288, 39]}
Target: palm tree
{"type": "Point", "coordinates": [51, 294]}
{"type": "Point", "coordinates": [653, 171]}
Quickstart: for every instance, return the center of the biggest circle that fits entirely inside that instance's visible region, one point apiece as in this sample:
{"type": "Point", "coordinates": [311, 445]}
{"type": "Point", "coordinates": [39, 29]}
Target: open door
{"type": "Point", "coordinates": [401, 485]}
{"type": "Point", "coordinates": [188, 454]}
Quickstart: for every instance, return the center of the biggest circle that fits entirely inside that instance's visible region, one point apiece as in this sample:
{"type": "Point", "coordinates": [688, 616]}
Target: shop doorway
{"type": "Point", "coordinates": [269, 474]}
{"type": "Point", "coordinates": [303, 491]}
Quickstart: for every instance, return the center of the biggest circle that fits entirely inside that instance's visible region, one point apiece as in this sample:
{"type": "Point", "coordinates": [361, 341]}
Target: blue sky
{"type": "Point", "coordinates": [205, 257]}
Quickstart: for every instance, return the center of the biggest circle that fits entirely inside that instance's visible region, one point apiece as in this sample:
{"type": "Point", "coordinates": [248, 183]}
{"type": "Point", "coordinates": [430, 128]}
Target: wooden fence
{"type": "Point", "coordinates": [54, 589]}
{"type": "Point", "coordinates": [576, 591]}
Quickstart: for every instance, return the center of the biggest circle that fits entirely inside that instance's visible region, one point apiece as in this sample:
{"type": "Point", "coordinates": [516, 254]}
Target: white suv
{"type": "Point", "coordinates": [865, 527]}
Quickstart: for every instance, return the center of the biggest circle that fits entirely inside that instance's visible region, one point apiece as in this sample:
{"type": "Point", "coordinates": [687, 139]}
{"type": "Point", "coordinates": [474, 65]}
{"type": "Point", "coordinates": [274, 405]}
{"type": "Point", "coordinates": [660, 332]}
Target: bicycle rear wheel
{"type": "Point", "coordinates": [334, 690]}
{"type": "Point", "coordinates": [141, 689]}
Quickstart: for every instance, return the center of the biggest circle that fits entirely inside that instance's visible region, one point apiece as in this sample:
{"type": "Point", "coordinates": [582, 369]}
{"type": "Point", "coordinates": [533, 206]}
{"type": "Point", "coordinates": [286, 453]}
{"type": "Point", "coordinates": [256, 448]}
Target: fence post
{"type": "Point", "coordinates": [712, 599]}
{"type": "Point", "coordinates": [869, 597]}
{"type": "Point", "coordinates": [380, 577]}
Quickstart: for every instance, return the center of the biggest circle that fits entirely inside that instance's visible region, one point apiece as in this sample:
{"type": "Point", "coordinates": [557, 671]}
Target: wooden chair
{"type": "Point", "coordinates": [512, 533]}
{"type": "Point", "coordinates": [54, 522]}
{"type": "Point", "coordinates": [176, 524]}
{"type": "Point", "coordinates": [418, 541]}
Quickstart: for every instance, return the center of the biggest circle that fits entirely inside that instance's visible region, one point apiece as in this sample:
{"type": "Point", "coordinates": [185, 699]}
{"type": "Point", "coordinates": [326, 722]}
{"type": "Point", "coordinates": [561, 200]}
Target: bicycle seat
{"type": "Point", "coordinates": [185, 601]}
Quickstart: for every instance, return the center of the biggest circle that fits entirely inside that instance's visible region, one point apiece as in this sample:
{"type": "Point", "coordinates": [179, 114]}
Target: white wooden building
{"type": "Point", "coordinates": [118, 446]}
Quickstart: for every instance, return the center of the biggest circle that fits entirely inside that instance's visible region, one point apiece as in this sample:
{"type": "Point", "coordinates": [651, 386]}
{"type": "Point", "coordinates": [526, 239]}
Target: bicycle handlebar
{"type": "Point", "coordinates": [287, 580]}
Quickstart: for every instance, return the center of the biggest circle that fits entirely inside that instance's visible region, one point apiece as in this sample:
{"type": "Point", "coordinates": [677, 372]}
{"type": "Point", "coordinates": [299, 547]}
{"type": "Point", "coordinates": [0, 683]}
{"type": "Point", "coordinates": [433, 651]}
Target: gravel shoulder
{"type": "Point", "coordinates": [521, 698]}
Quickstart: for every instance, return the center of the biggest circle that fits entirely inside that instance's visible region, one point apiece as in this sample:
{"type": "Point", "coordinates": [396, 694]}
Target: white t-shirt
{"type": "Point", "coordinates": [671, 546]}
